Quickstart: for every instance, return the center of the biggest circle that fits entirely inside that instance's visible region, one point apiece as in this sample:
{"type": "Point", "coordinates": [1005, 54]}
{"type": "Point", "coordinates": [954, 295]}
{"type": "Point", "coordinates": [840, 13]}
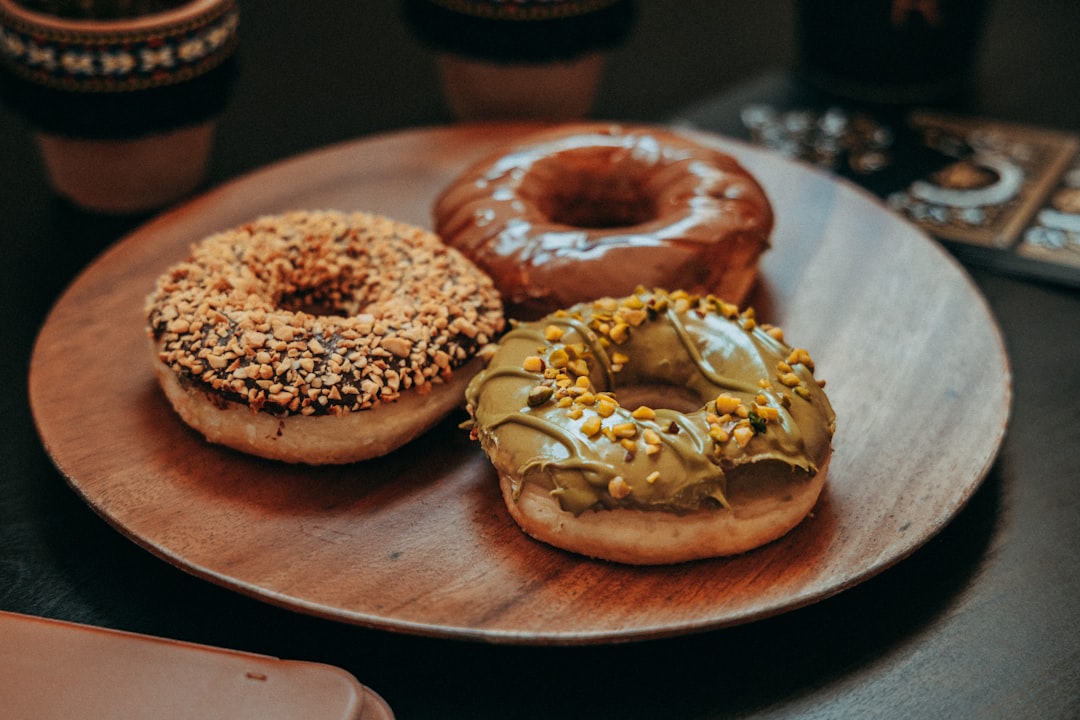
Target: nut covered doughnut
{"type": "Point", "coordinates": [585, 210]}
{"type": "Point", "coordinates": [655, 428]}
{"type": "Point", "coordinates": [319, 337]}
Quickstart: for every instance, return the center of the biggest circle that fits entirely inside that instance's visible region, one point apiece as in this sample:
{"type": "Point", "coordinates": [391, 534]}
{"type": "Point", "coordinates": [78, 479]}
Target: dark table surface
{"type": "Point", "coordinates": [983, 621]}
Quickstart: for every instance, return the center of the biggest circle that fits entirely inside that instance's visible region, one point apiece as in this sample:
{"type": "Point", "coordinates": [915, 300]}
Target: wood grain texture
{"type": "Point", "coordinates": [419, 541]}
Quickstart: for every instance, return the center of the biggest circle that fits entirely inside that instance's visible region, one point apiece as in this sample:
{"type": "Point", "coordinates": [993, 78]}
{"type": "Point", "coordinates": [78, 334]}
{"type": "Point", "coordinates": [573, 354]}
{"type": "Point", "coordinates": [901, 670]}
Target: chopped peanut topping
{"type": "Point", "coordinates": [606, 407]}
{"type": "Point", "coordinates": [578, 366]}
{"type": "Point", "coordinates": [801, 357]}
{"type": "Point", "coordinates": [727, 403]}
{"type": "Point", "coordinates": [620, 333]}
{"type": "Point", "coordinates": [618, 487]}
{"type": "Point", "coordinates": [225, 317]}
{"type": "Point", "coordinates": [591, 426]}
{"type": "Point", "coordinates": [559, 358]}
{"type": "Point", "coordinates": [789, 379]}
{"type": "Point", "coordinates": [743, 435]}
{"type": "Point", "coordinates": [606, 305]}
{"type": "Point", "coordinates": [767, 413]}
{"type": "Point", "coordinates": [533, 364]}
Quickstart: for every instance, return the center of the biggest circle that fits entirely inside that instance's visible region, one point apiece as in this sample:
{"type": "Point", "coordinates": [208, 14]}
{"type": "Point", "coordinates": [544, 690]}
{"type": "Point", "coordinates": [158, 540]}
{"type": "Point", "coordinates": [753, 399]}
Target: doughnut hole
{"type": "Point", "coordinates": [342, 290]}
{"type": "Point", "coordinates": [579, 190]}
{"type": "Point", "coordinates": [659, 396]}
{"type": "Point", "coordinates": [315, 301]}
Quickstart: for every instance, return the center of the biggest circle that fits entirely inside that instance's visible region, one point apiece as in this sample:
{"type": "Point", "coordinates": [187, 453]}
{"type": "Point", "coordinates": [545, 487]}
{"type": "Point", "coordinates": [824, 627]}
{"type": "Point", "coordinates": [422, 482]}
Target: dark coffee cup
{"type": "Point", "coordinates": [889, 51]}
{"type": "Point", "coordinates": [123, 109]}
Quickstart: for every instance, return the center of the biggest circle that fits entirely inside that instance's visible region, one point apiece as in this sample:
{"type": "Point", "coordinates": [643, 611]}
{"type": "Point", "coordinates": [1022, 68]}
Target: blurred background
{"type": "Point", "coordinates": [368, 59]}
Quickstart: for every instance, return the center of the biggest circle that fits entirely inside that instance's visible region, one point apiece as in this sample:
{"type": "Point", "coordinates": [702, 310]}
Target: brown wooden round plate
{"type": "Point", "coordinates": [419, 541]}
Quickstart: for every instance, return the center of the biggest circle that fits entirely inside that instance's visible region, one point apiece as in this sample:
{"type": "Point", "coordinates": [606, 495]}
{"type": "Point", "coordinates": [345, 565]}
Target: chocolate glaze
{"type": "Point", "coordinates": [598, 209]}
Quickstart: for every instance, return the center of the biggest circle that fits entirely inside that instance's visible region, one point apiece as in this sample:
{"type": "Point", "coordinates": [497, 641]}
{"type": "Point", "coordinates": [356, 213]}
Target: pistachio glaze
{"type": "Point", "coordinates": [548, 408]}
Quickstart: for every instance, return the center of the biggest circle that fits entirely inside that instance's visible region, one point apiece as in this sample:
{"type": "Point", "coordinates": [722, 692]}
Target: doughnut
{"type": "Point", "coordinates": [660, 427]}
{"type": "Point", "coordinates": [583, 210]}
{"type": "Point", "coordinates": [319, 337]}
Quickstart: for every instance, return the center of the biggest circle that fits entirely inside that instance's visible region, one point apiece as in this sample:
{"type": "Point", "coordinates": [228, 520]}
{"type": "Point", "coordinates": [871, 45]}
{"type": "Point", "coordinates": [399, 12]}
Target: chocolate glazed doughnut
{"type": "Point", "coordinates": [585, 210]}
